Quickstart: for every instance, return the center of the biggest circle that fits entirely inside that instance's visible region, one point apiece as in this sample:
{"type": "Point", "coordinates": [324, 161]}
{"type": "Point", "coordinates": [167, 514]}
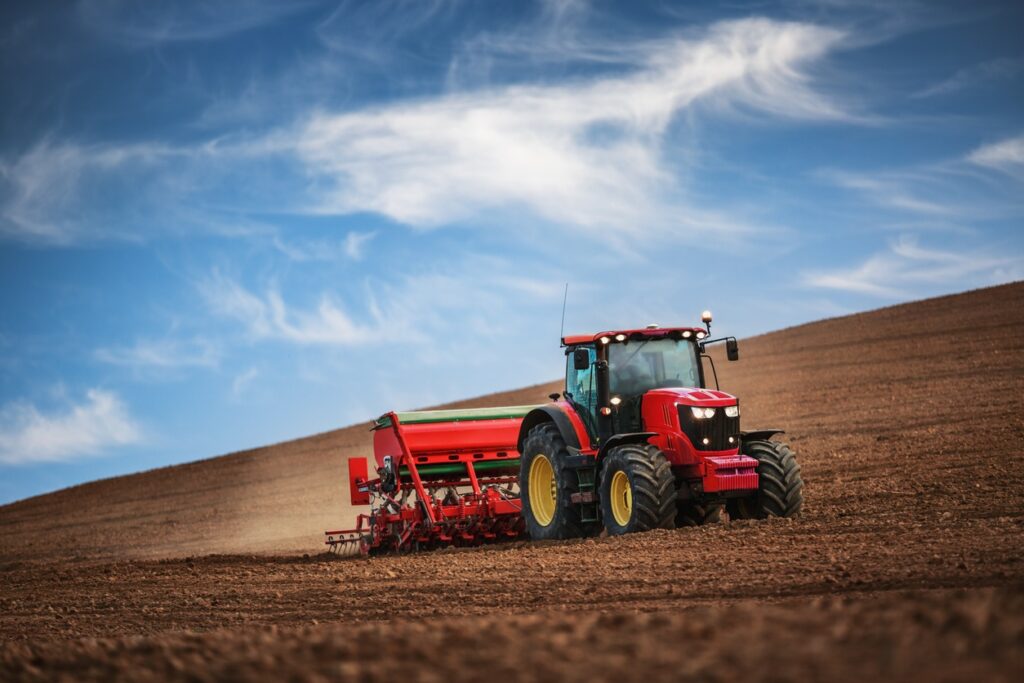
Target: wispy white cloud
{"type": "Point", "coordinates": [148, 24]}
{"type": "Point", "coordinates": [42, 187]}
{"type": "Point", "coordinates": [584, 154]}
{"type": "Point", "coordinates": [355, 244]}
{"type": "Point", "coordinates": [1006, 155]}
{"type": "Point", "coordinates": [241, 383]}
{"type": "Point", "coordinates": [479, 294]}
{"type": "Point", "coordinates": [48, 193]}
{"type": "Point", "coordinates": [267, 316]}
{"type": "Point", "coordinates": [352, 247]}
{"type": "Point", "coordinates": [944, 194]}
{"type": "Point", "coordinates": [415, 306]}
{"type": "Point", "coordinates": [100, 422]}
{"type": "Point", "coordinates": [907, 267]}
{"type": "Point", "coordinates": [894, 192]}
{"type": "Point", "coordinates": [562, 32]}
{"type": "Point", "coordinates": [162, 354]}
{"type": "Point", "coordinates": [974, 76]}
{"type": "Point", "coordinates": [368, 29]}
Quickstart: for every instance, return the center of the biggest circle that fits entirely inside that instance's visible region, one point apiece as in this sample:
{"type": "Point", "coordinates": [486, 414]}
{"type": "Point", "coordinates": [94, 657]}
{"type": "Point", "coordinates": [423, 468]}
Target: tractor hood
{"type": "Point", "coordinates": [690, 396]}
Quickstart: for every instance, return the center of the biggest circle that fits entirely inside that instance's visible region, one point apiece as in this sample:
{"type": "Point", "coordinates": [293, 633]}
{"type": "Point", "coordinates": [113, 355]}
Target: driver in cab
{"type": "Point", "coordinates": [631, 376]}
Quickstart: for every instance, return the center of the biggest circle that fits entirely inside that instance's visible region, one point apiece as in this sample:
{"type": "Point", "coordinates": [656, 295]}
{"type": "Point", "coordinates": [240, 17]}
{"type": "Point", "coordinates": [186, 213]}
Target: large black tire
{"type": "Point", "coordinates": [780, 490]}
{"type": "Point", "coordinates": [694, 514]}
{"type": "Point", "coordinates": [544, 440]}
{"type": "Point", "coordinates": [651, 484]}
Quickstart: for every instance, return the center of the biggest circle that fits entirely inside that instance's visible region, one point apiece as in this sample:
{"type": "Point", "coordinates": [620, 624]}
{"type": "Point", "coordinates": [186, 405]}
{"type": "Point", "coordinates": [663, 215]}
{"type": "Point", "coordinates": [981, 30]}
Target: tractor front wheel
{"type": "Point", "coordinates": [780, 486]}
{"type": "Point", "coordinates": [546, 487]}
{"type": "Point", "coordinates": [638, 490]}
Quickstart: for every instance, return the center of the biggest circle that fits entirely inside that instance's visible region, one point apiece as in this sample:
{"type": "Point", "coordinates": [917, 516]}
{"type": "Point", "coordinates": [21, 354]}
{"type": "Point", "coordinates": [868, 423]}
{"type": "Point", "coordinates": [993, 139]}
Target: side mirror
{"type": "Point", "coordinates": [581, 359]}
{"type": "Point", "coordinates": [732, 349]}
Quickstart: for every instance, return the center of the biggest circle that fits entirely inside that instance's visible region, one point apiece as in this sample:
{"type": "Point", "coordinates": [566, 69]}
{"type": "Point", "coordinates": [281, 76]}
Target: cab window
{"type": "Point", "coordinates": [581, 386]}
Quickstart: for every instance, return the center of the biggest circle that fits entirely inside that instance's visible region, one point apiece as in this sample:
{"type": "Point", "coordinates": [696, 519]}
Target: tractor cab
{"type": "Point", "coordinates": [609, 373]}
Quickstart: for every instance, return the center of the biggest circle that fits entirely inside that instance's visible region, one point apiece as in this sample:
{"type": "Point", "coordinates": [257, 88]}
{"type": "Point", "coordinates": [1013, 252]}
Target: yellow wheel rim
{"type": "Point", "coordinates": [621, 498]}
{"type": "Point", "coordinates": [543, 491]}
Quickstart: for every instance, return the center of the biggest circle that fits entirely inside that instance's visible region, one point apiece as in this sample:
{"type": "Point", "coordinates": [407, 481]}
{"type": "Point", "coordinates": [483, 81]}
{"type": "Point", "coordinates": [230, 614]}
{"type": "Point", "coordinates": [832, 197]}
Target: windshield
{"type": "Point", "coordinates": [638, 367]}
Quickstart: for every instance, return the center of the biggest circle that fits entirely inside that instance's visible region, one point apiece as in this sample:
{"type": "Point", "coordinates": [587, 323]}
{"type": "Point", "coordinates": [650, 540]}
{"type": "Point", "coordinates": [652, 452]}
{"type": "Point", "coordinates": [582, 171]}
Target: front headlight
{"type": "Point", "coordinates": [702, 413]}
{"type": "Point", "coordinates": [732, 411]}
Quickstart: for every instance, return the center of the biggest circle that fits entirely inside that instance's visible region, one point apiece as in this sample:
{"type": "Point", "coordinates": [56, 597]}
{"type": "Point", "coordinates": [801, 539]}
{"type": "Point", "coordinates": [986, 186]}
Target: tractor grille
{"type": "Point", "coordinates": [716, 430]}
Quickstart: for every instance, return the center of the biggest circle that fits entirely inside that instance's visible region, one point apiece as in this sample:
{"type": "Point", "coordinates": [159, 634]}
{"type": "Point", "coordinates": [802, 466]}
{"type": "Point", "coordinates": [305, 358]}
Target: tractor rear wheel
{"type": "Point", "coordinates": [546, 486]}
{"type": "Point", "coordinates": [638, 490]}
{"type": "Point", "coordinates": [780, 487]}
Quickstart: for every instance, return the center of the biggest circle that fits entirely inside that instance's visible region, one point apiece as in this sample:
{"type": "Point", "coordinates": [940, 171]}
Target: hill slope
{"type": "Point", "coordinates": [864, 398]}
{"type": "Point", "coordinates": [272, 499]}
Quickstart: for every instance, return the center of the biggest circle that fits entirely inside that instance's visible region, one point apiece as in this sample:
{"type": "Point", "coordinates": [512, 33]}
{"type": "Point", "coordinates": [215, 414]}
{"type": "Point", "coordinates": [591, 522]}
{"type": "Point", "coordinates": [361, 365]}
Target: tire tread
{"type": "Point", "coordinates": [780, 490]}
{"type": "Point", "coordinates": [654, 494]}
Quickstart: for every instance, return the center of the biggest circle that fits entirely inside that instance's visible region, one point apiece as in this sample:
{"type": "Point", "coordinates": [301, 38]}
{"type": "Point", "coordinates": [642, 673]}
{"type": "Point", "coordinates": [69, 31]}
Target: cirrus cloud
{"type": "Point", "coordinates": [907, 266]}
{"type": "Point", "coordinates": [162, 354]}
{"type": "Point", "coordinates": [583, 154]}
{"type": "Point", "coordinates": [151, 24]}
{"type": "Point", "coordinates": [100, 422]}
{"type": "Point", "coordinates": [1005, 155]}
{"type": "Point", "coordinates": [587, 154]}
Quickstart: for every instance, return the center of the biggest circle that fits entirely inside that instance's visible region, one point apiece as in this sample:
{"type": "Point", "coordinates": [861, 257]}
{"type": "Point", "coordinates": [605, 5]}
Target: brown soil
{"type": "Point", "coordinates": [907, 564]}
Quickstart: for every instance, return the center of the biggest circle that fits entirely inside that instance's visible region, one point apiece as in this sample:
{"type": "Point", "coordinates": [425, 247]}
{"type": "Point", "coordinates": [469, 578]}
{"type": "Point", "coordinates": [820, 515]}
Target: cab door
{"type": "Point", "coordinates": [581, 390]}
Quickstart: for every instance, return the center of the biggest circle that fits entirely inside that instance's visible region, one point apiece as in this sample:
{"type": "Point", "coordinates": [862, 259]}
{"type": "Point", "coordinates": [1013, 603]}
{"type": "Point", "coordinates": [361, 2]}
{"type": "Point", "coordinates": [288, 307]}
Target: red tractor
{"type": "Point", "coordinates": [636, 441]}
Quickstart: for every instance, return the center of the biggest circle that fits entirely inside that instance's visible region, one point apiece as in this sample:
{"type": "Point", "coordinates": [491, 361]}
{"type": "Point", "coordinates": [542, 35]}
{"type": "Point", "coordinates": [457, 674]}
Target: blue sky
{"type": "Point", "coordinates": [229, 224]}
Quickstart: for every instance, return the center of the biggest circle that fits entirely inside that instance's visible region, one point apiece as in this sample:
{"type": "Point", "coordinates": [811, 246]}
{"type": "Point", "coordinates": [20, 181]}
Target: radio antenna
{"type": "Point", "coordinates": [565, 296]}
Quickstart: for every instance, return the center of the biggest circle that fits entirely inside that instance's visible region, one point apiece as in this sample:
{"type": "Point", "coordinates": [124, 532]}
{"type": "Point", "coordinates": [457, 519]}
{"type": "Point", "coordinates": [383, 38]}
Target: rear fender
{"type": "Point", "coordinates": [572, 430]}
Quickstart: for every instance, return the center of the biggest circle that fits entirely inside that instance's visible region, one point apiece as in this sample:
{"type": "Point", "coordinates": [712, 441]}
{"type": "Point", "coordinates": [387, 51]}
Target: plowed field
{"type": "Point", "coordinates": [907, 564]}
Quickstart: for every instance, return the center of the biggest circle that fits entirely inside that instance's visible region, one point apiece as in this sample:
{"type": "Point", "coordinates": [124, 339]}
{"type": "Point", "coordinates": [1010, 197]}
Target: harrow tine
{"type": "Point", "coordinates": [343, 543]}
